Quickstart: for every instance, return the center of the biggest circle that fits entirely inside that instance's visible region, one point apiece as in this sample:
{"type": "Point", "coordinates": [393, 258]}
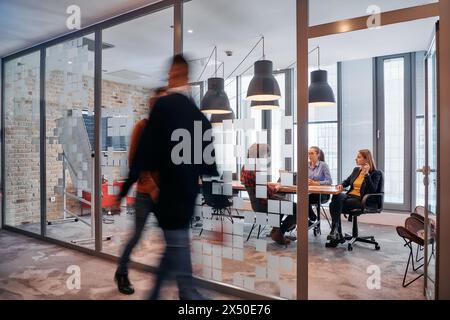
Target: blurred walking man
{"type": "Point", "coordinates": [175, 167]}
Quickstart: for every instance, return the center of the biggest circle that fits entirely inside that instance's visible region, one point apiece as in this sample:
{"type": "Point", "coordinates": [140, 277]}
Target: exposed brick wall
{"type": "Point", "coordinates": [22, 143]}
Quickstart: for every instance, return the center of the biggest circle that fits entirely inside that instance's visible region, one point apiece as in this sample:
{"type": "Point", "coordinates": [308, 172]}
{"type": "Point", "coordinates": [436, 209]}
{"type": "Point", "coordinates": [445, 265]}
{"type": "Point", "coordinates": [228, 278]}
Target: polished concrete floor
{"type": "Point", "coordinates": [333, 273]}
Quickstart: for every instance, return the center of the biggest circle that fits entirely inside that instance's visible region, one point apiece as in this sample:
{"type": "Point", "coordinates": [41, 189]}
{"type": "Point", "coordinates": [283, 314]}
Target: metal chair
{"type": "Point", "coordinates": [413, 232]}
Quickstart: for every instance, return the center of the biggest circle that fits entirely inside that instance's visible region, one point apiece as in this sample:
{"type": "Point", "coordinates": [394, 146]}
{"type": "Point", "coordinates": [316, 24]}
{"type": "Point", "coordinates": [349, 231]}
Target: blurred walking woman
{"type": "Point", "coordinates": [364, 179]}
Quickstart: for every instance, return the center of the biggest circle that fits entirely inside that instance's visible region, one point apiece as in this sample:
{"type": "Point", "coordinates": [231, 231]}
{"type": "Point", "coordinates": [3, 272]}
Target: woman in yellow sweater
{"type": "Point", "coordinates": [364, 179]}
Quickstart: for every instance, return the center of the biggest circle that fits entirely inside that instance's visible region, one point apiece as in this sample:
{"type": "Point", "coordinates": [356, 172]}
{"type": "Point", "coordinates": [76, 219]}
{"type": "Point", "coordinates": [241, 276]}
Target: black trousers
{"type": "Point", "coordinates": [342, 203]}
{"type": "Point", "coordinates": [143, 206]}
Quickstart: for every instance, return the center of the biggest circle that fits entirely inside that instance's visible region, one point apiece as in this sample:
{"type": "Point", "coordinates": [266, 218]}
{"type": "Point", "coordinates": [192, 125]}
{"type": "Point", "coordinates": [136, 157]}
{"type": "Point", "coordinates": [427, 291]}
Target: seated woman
{"type": "Point", "coordinates": [318, 175]}
{"type": "Point", "coordinates": [364, 179]}
{"type": "Point", "coordinates": [248, 179]}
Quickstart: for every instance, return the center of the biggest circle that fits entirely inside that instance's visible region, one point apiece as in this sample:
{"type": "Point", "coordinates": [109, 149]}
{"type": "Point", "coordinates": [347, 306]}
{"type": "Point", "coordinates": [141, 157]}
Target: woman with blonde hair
{"type": "Point", "coordinates": [364, 179]}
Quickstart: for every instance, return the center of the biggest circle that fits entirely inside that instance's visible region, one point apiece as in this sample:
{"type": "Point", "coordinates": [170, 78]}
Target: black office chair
{"type": "Point", "coordinates": [220, 204]}
{"type": "Point", "coordinates": [376, 207]}
{"type": "Point", "coordinates": [257, 206]}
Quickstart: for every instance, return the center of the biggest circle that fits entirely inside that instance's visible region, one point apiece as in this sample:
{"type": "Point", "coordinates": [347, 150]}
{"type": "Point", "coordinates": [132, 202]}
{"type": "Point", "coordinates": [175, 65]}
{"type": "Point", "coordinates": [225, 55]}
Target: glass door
{"type": "Point", "coordinates": [429, 171]}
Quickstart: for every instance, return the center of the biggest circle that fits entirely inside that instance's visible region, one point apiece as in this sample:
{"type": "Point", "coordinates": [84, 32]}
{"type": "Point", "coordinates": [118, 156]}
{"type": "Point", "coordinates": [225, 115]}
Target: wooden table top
{"type": "Point", "coordinates": [238, 186]}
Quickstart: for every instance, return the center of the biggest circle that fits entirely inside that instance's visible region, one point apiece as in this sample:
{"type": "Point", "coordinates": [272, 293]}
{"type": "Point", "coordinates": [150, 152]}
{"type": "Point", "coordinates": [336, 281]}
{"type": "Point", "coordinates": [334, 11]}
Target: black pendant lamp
{"type": "Point", "coordinates": [320, 92]}
{"type": "Point", "coordinates": [218, 119]}
{"type": "Point", "coordinates": [215, 100]}
{"type": "Point", "coordinates": [263, 86]}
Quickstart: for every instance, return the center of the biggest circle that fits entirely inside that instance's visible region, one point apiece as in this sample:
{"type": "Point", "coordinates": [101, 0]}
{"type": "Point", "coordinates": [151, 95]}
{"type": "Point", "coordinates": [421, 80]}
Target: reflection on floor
{"type": "Point", "coordinates": [32, 269]}
{"type": "Point", "coordinates": [333, 273]}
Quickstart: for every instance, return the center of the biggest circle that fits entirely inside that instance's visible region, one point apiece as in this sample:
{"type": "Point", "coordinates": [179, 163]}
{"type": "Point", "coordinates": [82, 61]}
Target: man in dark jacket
{"type": "Point", "coordinates": [176, 148]}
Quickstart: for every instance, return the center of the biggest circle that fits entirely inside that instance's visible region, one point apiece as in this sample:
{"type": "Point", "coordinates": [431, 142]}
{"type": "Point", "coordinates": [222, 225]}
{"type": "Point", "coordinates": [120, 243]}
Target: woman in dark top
{"type": "Point", "coordinates": [364, 179]}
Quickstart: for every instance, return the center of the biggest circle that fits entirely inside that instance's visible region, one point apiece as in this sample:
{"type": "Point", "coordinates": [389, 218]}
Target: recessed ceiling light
{"type": "Point", "coordinates": [69, 62]}
{"type": "Point", "coordinates": [190, 31]}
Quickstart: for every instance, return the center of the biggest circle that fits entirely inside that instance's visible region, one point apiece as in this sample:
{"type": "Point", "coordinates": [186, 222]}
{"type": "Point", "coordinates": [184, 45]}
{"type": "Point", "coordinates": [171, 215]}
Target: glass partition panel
{"type": "Point", "coordinates": [22, 143]}
{"type": "Point", "coordinates": [255, 255]}
{"type": "Point", "coordinates": [364, 258]}
{"type": "Point", "coordinates": [69, 96]}
{"type": "Point", "coordinates": [135, 60]}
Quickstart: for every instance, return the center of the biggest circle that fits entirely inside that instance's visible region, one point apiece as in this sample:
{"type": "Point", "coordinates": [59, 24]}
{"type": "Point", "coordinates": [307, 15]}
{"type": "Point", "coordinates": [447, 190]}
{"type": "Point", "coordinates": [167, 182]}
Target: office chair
{"type": "Point", "coordinates": [365, 209]}
{"type": "Point", "coordinates": [419, 214]}
{"type": "Point", "coordinates": [219, 203]}
{"type": "Point", "coordinates": [257, 206]}
{"type": "Point", "coordinates": [413, 232]}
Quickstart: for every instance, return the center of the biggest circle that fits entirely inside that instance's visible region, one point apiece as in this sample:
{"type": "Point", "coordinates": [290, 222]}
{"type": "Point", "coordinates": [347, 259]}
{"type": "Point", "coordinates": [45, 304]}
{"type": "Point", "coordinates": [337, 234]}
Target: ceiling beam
{"type": "Point", "coordinates": [360, 23]}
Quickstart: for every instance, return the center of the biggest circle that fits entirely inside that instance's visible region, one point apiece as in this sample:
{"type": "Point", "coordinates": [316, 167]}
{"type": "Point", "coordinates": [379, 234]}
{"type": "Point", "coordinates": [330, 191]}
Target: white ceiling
{"type": "Point", "coordinates": [145, 44]}
{"type": "Point", "coordinates": [24, 23]}
{"type": "Point", "coordinates": [390, 39]}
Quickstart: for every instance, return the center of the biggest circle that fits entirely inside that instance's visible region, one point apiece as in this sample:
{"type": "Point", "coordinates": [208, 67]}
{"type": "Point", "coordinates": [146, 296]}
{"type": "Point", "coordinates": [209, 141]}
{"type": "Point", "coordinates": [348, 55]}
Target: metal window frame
{"type": "Point", "coordinates": [379, 110]}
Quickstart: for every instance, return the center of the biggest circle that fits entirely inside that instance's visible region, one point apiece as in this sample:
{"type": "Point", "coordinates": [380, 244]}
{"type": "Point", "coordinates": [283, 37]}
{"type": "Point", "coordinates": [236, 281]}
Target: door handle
{"type": "Point", "coordinates": [425, 170]}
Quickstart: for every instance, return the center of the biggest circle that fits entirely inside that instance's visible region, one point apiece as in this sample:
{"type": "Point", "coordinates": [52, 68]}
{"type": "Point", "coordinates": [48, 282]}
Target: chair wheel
{"type": "Point", "coordinates": [350, 247]}
{"type": "Point", "coordinates": [377, 247]}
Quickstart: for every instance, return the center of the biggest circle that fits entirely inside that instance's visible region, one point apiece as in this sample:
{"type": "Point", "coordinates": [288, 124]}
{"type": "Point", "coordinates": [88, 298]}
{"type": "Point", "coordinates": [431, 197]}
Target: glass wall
{"type": "Point", "coordinates": [323, 124]}
{"type": "Point", "coordinates": [248, 258]}
{"type": "Point", "coordinates": [134, 63]}
{"type": "Point", "coordinates": [69, 97]}
{"type": "Point", "coordinates": [22, 142]}
{"type": "Point", "coordinates": [419, 128]}
{"type": "Point", "coordinates": [135, 59]}
{"type": "Point", "coordinates": [357, 111]}
{"type": "Point", "coordinates": [394, 128]}
{"type": "Point", "coordinates": [375, 119]}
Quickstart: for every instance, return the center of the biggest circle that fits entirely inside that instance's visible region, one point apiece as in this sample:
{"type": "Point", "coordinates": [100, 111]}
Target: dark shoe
{"type": "Point", "coordinates": [123, 283]}
{"type": "Point", "coordinates": [333, 243]}
{"type": "Point", "coordinates": [279, 238]}
{"type": "Point", "coordinates": [333, 233]}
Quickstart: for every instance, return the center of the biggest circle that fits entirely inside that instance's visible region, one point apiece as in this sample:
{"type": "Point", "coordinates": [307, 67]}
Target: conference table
{"type": "Point", "coordinates": [330, 190]}
{"type": "Point", "coordinates": [321, 190]}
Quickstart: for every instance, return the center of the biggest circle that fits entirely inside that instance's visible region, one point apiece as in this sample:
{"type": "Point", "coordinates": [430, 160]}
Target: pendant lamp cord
{"type": "Point", "coordinates": [264, 48]}
{"type": "Point", "coordinates": [206, 65]}
{"type": "Point", "coordinates": [318, 58]}
{"type": "Point", "coordinates": [248, 54]}
{"type": "Point", "coordinates": [318, 55]}
{"type": "Point", "coordinates": [215, 68]}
